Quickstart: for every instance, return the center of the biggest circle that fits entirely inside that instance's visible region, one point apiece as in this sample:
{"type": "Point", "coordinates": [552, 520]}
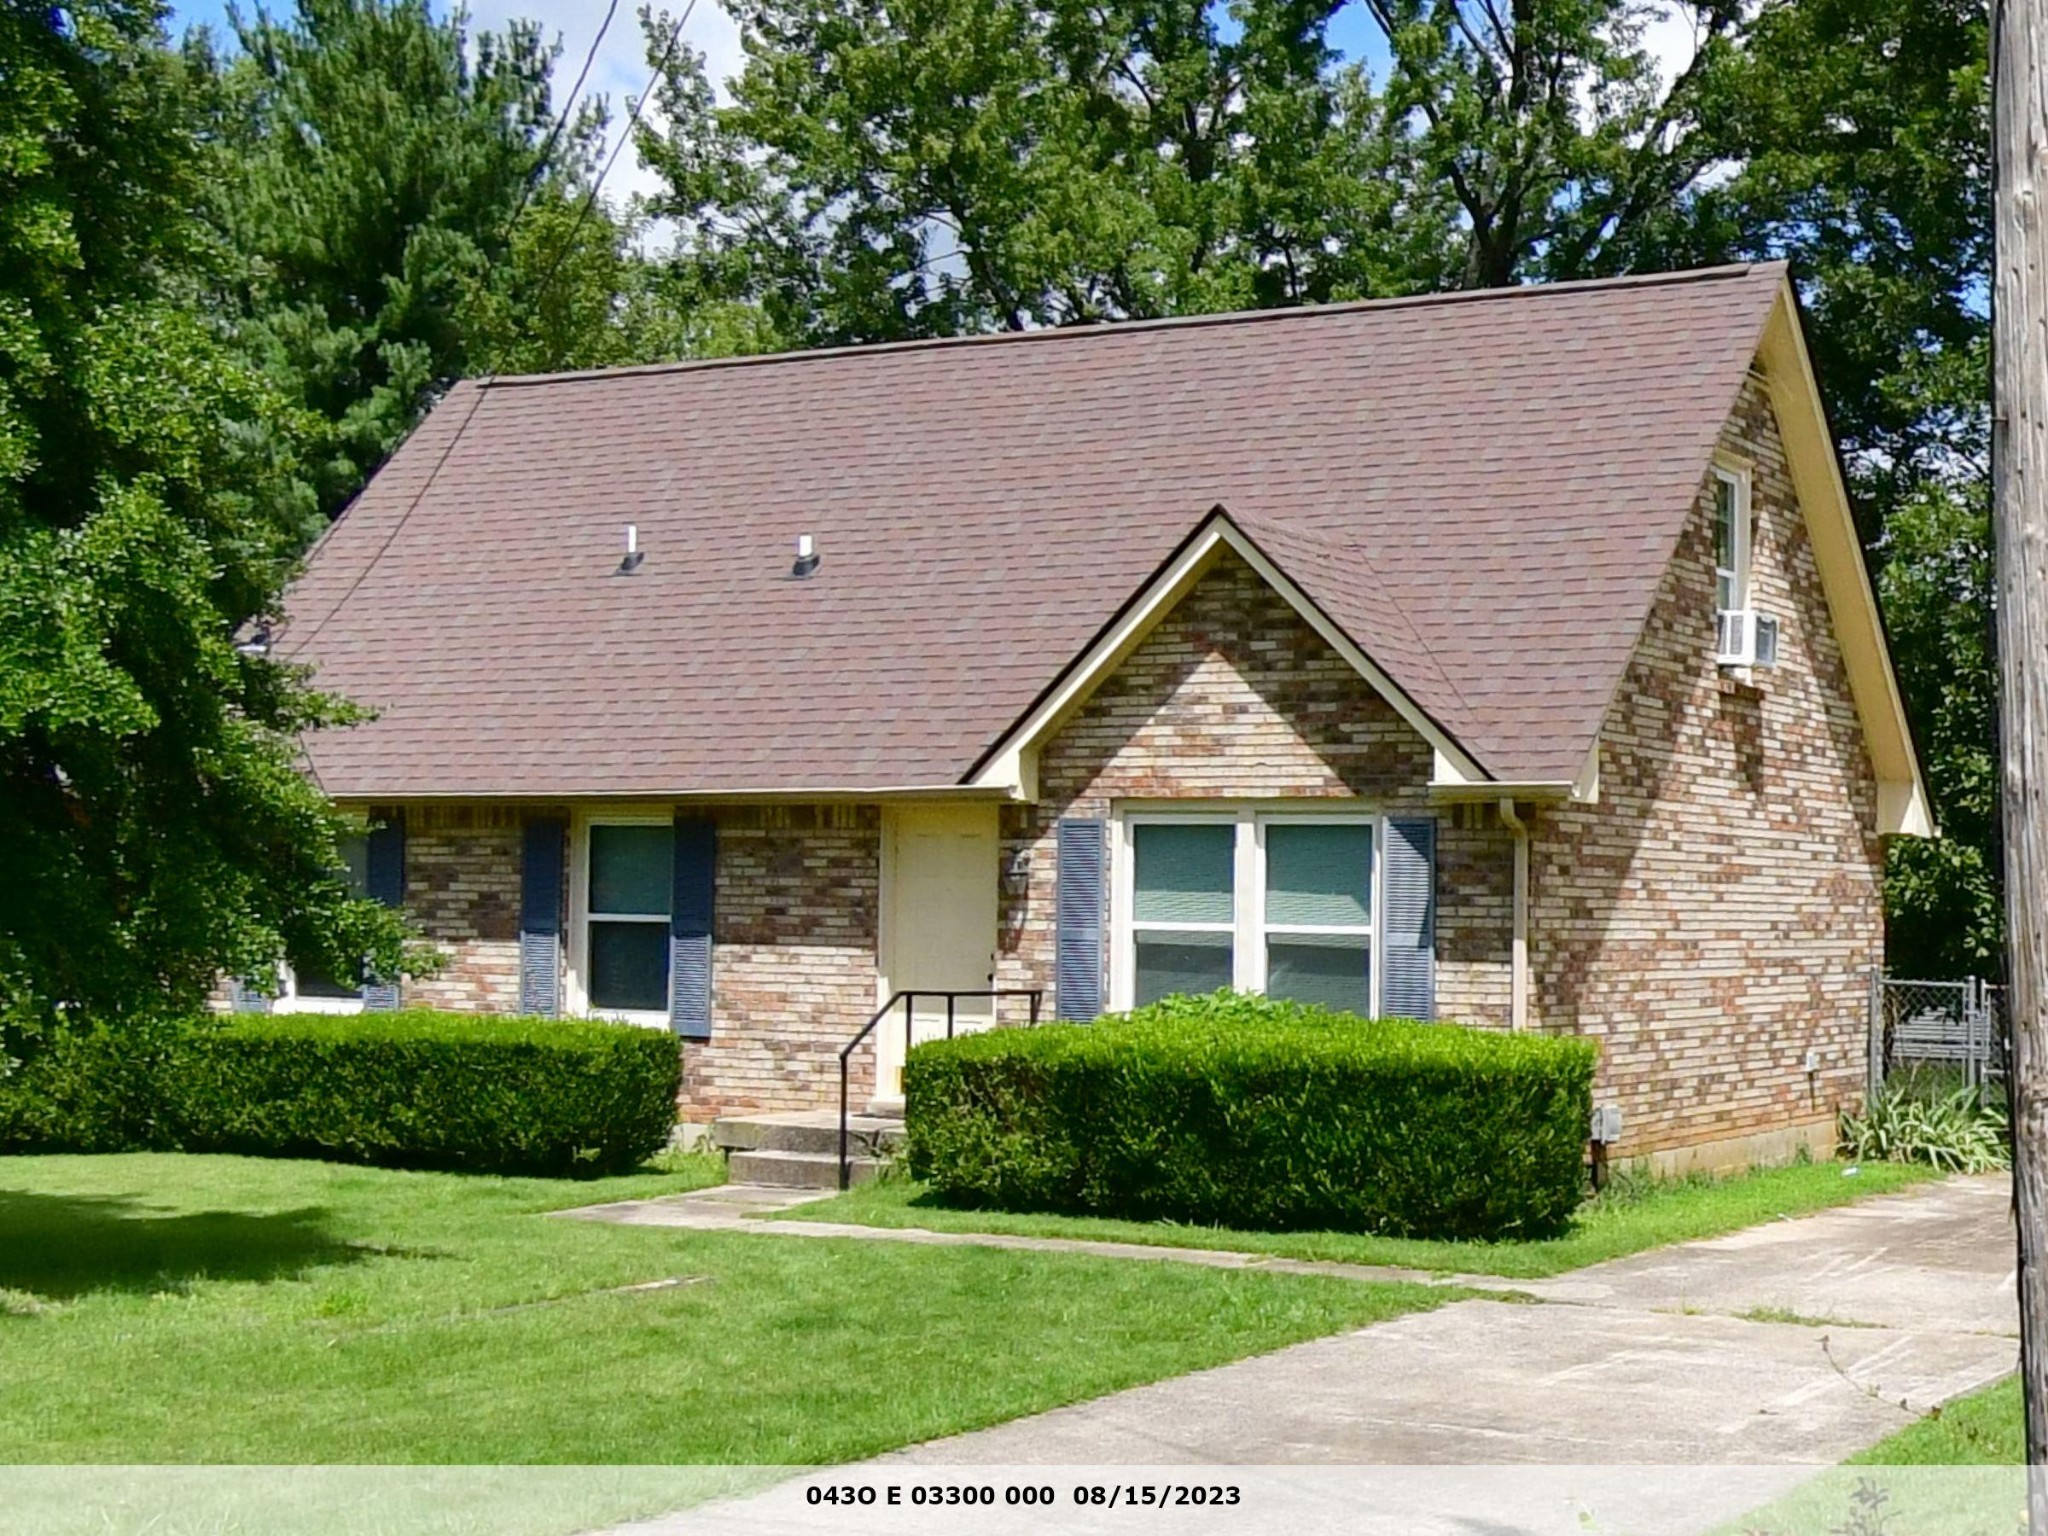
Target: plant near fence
{"type": "Point", "coordinates": [415, 1088]}
{"type": "Point", "coordinates": [1958, 1129]}
{"type": "Point", "coordinates": [1250, 1112]}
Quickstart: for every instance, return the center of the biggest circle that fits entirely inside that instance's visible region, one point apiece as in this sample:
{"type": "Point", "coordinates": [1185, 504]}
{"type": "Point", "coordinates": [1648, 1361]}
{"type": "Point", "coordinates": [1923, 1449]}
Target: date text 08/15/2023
{"type": "Point", "coordinates": [1102, 1495]}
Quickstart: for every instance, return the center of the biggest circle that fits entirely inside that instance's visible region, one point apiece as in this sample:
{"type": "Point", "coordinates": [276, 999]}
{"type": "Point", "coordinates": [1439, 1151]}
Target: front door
{"type": "Point", "coordinates": [939, 875]}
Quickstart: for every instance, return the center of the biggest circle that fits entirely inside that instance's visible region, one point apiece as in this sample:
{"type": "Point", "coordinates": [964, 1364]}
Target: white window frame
{"type": "Point", "coordinates": [1737, 480]}
{"type": "Point", "coordinates": [1249, 929]}
{"type": "Point", "coordinates": [288, 999]}
{"type": "Point", "coordinates": [575, 980]}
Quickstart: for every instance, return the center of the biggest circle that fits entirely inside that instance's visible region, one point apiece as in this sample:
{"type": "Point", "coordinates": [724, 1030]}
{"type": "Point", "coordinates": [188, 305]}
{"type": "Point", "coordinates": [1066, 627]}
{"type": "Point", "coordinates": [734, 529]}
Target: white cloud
{"type": "Point", "coordinates": [620, 69]}
{"type": "Point", "coordinates": [1671, 39]}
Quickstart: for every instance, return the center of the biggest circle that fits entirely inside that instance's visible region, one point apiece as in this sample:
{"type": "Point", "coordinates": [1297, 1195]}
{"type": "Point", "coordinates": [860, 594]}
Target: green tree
{"type": "Point", "coordinates": [370, 161]}
{"type": "Point", "coordinates": [1550, 122]}
{"type": "Point", "coordinates": [961, 165]}
{"type": "Point", "coordinates": [572, 291]}
{"type": "Point", "coordinates": [154, 827]}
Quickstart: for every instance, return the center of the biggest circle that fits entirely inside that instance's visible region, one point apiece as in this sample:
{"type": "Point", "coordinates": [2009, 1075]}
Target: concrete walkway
{"type": "Point", "coordinates": [739, 1207]}
{"type": "Point", "coordinates": [1764, 1354]}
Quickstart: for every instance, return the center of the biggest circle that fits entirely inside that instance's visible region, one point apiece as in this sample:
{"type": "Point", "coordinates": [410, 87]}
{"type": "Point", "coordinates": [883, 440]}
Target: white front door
{"type": "Point", "coordinates": [939, 875]}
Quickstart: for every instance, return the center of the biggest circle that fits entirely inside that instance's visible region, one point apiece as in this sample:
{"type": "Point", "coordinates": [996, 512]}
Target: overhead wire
{"type": "Point", "coordinates": [547, 149]}
{"type": "Point", "coordinates": [540, 292]}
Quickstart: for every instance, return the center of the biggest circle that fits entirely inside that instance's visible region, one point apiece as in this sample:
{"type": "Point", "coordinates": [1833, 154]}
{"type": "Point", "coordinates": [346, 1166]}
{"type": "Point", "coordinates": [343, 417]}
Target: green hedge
{"type": "Point", "coordinates": [1239, 1111]}
{"type": "Point", "coordinates": [417, 1088]}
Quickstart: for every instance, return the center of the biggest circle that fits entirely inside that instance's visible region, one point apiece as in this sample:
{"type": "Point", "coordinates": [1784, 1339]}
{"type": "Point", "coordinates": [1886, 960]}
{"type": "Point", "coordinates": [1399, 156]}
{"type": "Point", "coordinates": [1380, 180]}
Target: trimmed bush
{"type": "Point", "coordinates": [415, 1088]}
{"type": "Point", "coordinates": [1240, 1111]}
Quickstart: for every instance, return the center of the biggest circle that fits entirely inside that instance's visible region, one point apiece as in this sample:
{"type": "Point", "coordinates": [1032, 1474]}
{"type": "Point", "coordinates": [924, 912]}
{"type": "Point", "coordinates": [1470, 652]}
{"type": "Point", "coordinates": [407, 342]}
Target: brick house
{"type": "Point", "coordinates": [1501, 657]}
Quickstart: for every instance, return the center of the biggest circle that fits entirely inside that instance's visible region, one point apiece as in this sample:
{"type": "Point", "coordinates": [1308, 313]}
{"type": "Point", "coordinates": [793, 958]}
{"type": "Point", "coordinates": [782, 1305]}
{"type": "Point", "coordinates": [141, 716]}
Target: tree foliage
{"type": "Point", "coordinates": [232, 276]}
{"type": "Point", "coordinates": [963, 165]}
{"type": "Point", "coordinates": [154, 826]}
{"type": "Point", "coordinates": [370, 159]}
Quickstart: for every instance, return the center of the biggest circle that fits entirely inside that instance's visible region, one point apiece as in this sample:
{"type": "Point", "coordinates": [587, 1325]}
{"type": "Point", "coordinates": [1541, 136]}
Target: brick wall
{"type": "Point", "coordinates": [1710, 919]}
{"type": "Point", "coordinates": [462, 877]}
{"type": "Point", "coordinates": [793, 959]}
{"type": "Point", "coordinates": [1234, 696]}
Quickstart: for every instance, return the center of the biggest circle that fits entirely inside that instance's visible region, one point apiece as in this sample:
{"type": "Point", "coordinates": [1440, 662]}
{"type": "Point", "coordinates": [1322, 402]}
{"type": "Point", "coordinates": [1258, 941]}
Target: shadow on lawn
{"type": "Point", "coordinates": [60, 1246]}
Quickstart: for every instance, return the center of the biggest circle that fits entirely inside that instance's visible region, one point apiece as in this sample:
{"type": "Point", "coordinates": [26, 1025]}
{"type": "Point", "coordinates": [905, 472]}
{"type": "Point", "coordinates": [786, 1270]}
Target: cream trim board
{"type": "Point", "coordinates": [1903, 806]}
{"type": "Point", "coordinates": [649, 799]}
{"type": "Point", "coordinates": [1013, 761]}
{"type": "Point", "coordinates": [576, 948]}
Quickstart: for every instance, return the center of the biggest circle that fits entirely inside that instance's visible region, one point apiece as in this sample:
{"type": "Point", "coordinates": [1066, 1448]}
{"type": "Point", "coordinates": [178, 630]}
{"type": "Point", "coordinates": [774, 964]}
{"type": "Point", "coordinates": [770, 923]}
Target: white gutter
{"type": "Point", "coordinates": [1518, 1004]}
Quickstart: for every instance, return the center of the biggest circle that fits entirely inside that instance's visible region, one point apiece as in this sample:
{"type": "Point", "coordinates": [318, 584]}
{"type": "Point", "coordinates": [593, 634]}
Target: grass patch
{"type": "Point", "coordinates": [1632, 1215]}
{"type": "Point", "coordinates": [1798, 1319]}
{"type": "Point", "coordinates": [169, 1308]}
{"type": "Point", "coordinates": [1957, 1470]}
{"type": "Point", "coordinates": [1985, 1429]}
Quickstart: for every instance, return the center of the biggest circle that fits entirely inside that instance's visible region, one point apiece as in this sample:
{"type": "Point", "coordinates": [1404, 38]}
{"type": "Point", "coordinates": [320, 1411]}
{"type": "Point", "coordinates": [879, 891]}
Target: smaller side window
{"type": "Point", "coordinates": [1731, 541]}
{"type": "Point", "coordinates": [311, 987]}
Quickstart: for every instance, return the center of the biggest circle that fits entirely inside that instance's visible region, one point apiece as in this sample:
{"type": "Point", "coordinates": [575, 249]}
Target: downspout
{"type": "Point", "coordinates": [1518, 986]}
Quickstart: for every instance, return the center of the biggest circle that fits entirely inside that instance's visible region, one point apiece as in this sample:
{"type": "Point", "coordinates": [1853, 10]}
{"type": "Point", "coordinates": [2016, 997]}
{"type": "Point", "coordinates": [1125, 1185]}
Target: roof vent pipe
{"type": "Point", "coordinates": [807, 557]}
{"type": "Point", "coordinates": [634, 554]}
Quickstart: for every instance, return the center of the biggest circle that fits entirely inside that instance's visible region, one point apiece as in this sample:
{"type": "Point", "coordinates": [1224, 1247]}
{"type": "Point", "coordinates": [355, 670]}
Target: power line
{"type": "Point", "coordinates": [675, 34]}
{"type": "Point", "coordinates": [540, 292]}
{"type": "Point", "coordinates": [475, 399]}
{"type": "Point", "coordinates": [547, 149]}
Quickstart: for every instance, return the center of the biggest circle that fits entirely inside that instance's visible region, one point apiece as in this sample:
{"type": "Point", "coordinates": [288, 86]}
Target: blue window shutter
{"type": "Point", "coordinates": [1408, 923]}
{"type": "Point", "coordinates": [1082, 845]}
{"type": "Point", "coordinates": [540, 917]}
{"type": "Point", "coordinates": [689, 927]}
{"type": "Point", "coordinates": [385, 877]}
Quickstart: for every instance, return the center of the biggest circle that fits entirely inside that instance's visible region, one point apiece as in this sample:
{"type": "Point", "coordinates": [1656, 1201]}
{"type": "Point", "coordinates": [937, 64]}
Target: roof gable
{"type": "Point", "coordinates": [1480, 492]}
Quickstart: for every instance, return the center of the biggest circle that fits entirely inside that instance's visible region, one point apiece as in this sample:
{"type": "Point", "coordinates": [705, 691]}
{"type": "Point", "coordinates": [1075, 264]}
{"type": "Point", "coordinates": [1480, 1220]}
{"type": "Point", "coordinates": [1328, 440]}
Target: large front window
{"type": "Point", "coordinates": [627, 941]}
{"type": "Point", "coordinates": [1280, 904]}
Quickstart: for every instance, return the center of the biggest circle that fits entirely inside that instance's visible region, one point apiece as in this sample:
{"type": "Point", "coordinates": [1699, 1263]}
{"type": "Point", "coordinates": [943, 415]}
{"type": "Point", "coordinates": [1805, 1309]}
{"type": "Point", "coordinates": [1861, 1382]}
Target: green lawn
{"type": "Point", "coordinates": [216, 1309]}
{"type": "Point", "coordinates": [1958, 1471]}
{"type": "Point", "coordinates": [1984, 1429]}
{"type": "Point", "coordinates": [1632, 1216]}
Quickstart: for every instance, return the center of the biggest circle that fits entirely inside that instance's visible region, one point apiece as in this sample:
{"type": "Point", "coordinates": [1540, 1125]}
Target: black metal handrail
{"type": "Point", "coordinates": [908, 1001]}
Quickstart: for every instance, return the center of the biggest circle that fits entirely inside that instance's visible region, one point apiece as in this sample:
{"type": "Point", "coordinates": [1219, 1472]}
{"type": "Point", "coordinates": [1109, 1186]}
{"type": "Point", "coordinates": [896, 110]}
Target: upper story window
{"type": "Point", "coordinates": [630, 880]}
{"type": "Point", "coordinates": [1280, 904]}
{"type": "Point", "coordinates": [1731, 540]}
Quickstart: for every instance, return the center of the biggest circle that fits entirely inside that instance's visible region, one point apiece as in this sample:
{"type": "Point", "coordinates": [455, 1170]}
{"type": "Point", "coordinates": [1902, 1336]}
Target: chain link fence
{"type": "Point", "coordinates": [1936, 1028]}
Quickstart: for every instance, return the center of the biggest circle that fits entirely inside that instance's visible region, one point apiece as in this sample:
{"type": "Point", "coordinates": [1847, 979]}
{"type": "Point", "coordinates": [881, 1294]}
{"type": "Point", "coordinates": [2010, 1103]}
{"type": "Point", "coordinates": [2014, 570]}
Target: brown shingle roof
{"type": "Point", "coordinates": [1481, 489]}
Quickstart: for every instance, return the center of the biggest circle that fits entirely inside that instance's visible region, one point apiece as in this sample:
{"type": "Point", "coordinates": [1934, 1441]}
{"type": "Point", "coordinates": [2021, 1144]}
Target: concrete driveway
{"type": "Point", "coordinates": [1937, 1259]}
{"type": "Point", "coordinates": [1786, 1347]}
{"type": "Point", "coordinates": [1908, 1299]}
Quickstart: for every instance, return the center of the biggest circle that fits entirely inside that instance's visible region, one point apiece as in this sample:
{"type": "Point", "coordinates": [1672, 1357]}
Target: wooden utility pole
{"type": "Point", "coordinates": [2019, 493]}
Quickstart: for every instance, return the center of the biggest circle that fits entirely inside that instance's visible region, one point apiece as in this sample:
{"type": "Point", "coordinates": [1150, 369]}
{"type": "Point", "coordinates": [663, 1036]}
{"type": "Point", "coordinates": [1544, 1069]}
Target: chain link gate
{"type": "Point", "coordinates": [1944, 1026]}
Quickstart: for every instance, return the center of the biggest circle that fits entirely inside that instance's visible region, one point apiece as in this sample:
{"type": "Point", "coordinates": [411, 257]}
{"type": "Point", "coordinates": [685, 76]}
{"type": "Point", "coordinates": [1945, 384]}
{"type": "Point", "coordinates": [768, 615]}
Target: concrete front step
{"type": "Point", "coordinates": [798, 1170]}
{"type": "Point", "coordinates": [811, 1131]}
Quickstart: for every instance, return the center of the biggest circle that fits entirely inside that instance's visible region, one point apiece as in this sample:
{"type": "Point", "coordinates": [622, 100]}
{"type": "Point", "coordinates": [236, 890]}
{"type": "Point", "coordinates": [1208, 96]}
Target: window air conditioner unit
{"type": "Point", "coordinates": [1746, 638]}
